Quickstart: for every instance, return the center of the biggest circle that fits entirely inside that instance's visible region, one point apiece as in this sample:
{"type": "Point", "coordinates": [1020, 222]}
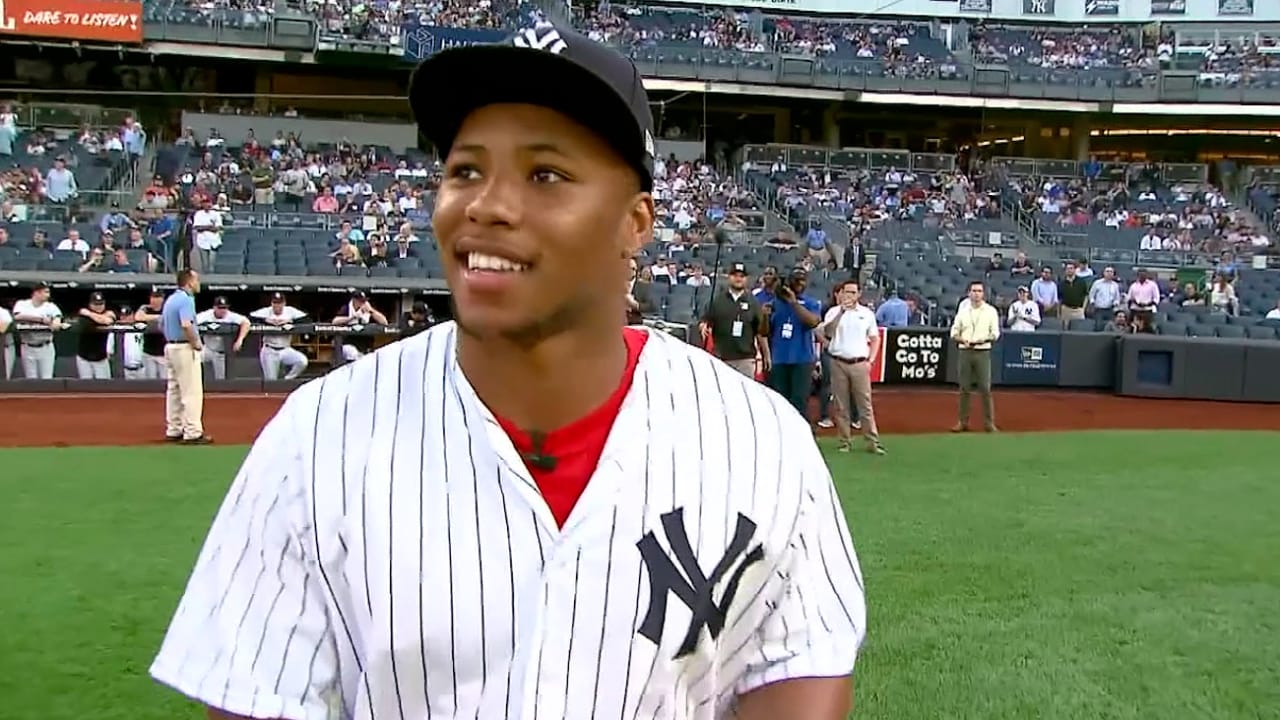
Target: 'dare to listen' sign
{"type": "Point", "coordinates": [109, 21]}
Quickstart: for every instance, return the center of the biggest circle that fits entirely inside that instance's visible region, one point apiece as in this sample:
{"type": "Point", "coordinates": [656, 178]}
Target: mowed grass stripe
{"type": "Point", "coordinates": [1084, 575]}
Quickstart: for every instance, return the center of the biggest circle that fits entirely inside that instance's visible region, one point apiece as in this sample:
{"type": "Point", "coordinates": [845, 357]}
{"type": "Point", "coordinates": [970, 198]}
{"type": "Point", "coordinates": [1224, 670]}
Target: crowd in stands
{"type": "Point", "coordinates": [1141, 212]}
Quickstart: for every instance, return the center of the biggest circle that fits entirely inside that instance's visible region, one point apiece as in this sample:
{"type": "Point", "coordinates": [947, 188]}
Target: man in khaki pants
{"type": "Point", "coordinates": [184, 401]}
{"type": "Point", "coordinates": [855, 339]}
{"type": "Point", "coordinates": [975, 330]}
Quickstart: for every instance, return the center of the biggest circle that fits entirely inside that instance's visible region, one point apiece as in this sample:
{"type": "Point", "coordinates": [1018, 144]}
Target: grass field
{"type": "Point", "coordinates": [1090, 575]}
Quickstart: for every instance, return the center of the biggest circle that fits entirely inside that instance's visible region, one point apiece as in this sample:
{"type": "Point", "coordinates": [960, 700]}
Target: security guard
{"type": "Point", "coordinates": [734, 321]}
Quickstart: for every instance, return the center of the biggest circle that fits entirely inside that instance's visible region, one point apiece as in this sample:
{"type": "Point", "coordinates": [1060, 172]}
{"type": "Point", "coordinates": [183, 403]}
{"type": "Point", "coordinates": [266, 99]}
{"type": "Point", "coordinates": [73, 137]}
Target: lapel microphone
{"type": "Point", "coordinates": [536, 457]}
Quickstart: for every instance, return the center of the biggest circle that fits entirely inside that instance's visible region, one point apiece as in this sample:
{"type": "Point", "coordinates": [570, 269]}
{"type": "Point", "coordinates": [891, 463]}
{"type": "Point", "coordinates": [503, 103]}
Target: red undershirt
{"type": "Point", "coordinates": [577, 446]}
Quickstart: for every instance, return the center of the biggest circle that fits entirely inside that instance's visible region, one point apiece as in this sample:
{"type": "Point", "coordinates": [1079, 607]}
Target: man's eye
{"type": "Point", "coordinates": [547, 175]}
{"type": "Point", "coordinates": [464, 172]}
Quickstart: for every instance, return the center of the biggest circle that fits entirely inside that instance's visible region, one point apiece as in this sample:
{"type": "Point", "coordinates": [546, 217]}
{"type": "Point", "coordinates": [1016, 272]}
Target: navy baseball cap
{"type": "Point", "coordinates": [548, 65]}
{"type": "Point", "coordinates": [221, 302]}
{"type": "Point", "coordinates": [738, 268]}
{"type": "Point", "coordinates": [96, 298]}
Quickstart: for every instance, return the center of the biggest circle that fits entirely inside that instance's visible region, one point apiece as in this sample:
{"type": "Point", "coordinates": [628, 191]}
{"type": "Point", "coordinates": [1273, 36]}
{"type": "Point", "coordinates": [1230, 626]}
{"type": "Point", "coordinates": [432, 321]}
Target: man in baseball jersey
{"type": "Point", "coordinates": [277, 349]}
{"type": "Point", "coordinates": [91, 341]}
{"type": "Point", "coordinates": [7, 355]}
{"type": "Point", "coordinates": [216, 344]}
{"type": "Point", "coordinates": [37, 350]}
{"type": "Point", "coordinates": [531, 512]}
{"type": "Point", "coordinates": [184, 399]}
{"type": "Point", "coordinates": [154, 365]}
{"type": "Point", "coordinates": [359, 311]}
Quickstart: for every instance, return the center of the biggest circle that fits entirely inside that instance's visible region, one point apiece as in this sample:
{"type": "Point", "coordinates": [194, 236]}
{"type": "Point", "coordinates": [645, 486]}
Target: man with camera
{"type": "Point", "coordinates": [792, 317]}
{"type": "Point", "coordinates": [734, 321]}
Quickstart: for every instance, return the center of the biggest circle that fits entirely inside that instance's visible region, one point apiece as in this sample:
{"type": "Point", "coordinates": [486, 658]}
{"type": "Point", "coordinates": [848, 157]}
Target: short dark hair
{"type": "Point", "coordinates": [979, 283]}
{"type": "Point", "coordinates": [851, 281]}
{"type": "Point", "coordinates": [184, 276]}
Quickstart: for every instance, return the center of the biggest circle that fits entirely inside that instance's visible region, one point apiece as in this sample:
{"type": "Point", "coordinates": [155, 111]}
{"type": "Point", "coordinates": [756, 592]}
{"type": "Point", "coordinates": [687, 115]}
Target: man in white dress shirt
{"type": "Point", "coordinates": [854, 341]}
{"type": "Point", "coordinates": [218, 345]}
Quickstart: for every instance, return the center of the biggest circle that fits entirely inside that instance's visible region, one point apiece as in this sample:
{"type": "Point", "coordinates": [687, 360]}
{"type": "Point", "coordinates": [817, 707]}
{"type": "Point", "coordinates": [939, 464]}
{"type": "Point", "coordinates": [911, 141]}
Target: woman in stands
{"type": "Point", "coordinates": [1222, 296]}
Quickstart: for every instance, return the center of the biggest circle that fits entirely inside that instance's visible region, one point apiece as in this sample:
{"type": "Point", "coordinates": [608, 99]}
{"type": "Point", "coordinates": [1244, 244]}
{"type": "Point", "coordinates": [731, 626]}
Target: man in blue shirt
{"type": "Point", "coordinates": [792, 318]}
{"type": "Point", "coordinates": [184, 398]}
{"type": "Point", "coordinates": [893, 312]}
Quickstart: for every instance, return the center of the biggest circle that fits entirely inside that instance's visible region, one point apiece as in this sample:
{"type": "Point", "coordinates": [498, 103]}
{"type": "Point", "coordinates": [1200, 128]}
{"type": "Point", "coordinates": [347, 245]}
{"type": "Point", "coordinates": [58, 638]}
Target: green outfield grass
{"type": "Point", "coordinates": [1087, 575]}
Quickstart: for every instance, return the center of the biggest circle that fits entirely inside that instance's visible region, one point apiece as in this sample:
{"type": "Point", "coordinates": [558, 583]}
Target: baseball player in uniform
{"type": "Point", "coordinates": [534, 511]}
{"type": "Point", "coordinates": [127, 347]}
{"type": "Point", "coordinates": [36, 349]}
{"type": "Point", "coordinates": [91, 343]}
{"type": "Point", "coordinates": [215, 344]}
{"type": "Point", "coordinates": [154, 364]}
{"type": "Point", "coordinates": [357, 312]}
{"type": "Point", "coordinates": [7, 355]}
{"type": "Point", "coordinates": [277, 350]}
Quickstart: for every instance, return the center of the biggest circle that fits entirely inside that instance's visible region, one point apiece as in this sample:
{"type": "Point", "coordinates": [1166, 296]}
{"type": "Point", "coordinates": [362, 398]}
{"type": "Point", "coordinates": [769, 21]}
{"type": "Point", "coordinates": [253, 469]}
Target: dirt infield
{"type": "Point", "coordinates": [70, 420]}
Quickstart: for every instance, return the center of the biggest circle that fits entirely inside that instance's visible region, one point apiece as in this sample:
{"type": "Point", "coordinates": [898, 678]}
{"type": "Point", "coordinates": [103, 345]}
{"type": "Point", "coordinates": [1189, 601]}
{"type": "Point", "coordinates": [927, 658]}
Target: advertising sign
{"type": "Point", "coordinates": [1235, 7]}
{"type": "Point", "coordinates": [1037, 7]}
{"type": "Point", "coordinates": [422, 41]}
{"type": "Point", "coordinates": [1029, 358]}
{"type": "Point", "coordinates": [916, 356]}
{"type": "Point", "coordinates": [1168, 7]}
{"type": "Point", "coordinates": [1094, 8]}
{"type": "Point", "coordinates": [977, 6]}
{"type": "Point", "coordinates": [93, 20]}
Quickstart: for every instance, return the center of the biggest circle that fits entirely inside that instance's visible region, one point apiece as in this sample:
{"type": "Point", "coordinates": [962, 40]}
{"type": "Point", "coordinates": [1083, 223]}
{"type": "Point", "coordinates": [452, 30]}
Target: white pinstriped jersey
{"type": "Point", "coordinates": [383, 554]}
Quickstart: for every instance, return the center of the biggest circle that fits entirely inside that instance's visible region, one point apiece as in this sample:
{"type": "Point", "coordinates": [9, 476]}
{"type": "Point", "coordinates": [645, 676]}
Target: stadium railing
{"type": "Point", "coordinates": [1157, 366]}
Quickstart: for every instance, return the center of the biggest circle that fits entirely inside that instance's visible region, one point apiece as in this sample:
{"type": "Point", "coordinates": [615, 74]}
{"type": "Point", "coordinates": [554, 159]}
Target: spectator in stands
{"type": "Point", "coordinates": [1021, 266]}
{"type": "Point", "coordinates": [1222, 295]}
{"type": "Point", "coordinates": [94, 262]}
{"type": "Point", "coordinates": [73, 241]}
{"type": "Point", "coordinates": [1044, 290]}
{"type": "Point", "coordinates": [346, 254]}
{"type": "Point", "coordinates": [1105, 295]}
{"type": "Point", "coordinates": [206, 228]}
{"type": "Point", "coordinates": [1143, 295]}
{"type": "Point", "coordinates": [120, 262]}
{"type": "Point", "coordinates": [1120, 323]}
{"type": "Point", "coordinates": [325, 202]}
{"type": "Point", "coordinates": [404, 251]}
{"type": "Point", "coordinates": [893, 312]}
{"type": "Point", "coordinates": [60, 183]}
{"type": "Point", "coordinates": [1024, 313]}
{"type": "Point", "coordinates": [696, 278]}
{"type": "Point", "coordinates": [1073, 292]}
{"type": "Point", "coordinates": [1274, 313]}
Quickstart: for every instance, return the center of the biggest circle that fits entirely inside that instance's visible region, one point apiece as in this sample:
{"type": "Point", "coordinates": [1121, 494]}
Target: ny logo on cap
{"type": "Point", "coordinates": [542, 37]}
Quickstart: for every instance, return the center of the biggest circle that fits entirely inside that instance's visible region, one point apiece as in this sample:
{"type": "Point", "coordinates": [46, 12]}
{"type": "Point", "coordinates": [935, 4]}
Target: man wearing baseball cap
{"type": "Point", "coordinates": [91, 341]}
{"type": "Point", "coordinates": [534, 511]}
{"type": "Point", "coordinates": [735, 323]}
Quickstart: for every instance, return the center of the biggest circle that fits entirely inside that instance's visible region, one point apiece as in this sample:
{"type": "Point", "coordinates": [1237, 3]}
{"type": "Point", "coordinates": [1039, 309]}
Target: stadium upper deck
{"type": "Point", "coordinates": [1202, 50]}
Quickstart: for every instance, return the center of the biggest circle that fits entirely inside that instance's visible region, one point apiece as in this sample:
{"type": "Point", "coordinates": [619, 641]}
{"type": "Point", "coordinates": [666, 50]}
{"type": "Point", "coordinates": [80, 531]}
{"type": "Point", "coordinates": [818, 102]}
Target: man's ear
{"type": "Point", "coordinates": [639, 227]}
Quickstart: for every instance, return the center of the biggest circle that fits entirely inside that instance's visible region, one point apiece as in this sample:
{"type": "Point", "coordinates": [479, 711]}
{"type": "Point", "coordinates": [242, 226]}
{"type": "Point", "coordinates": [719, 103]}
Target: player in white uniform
{"type": "Point", "coordinates": [37, 350]}
{"type": "Point", "coordinates": [1024, 313]}
{"type": "Point", "coordinates": [359, 311]}
{"type": "Point", "coordinates": [215, 344]}
{"type": "Point", "coordinates": [277, 350]}
{"type": "Point", "coordinates": [7, 354]}
{"type": "Point", "coordinates": [677, 553]}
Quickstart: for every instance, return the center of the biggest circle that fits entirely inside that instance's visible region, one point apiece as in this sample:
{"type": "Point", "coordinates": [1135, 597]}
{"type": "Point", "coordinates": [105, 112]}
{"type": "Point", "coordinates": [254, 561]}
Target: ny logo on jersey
{"type": "Point", "coordinates": [541, 37]}
{"type": "Point", "coordinates": [692, 588]}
